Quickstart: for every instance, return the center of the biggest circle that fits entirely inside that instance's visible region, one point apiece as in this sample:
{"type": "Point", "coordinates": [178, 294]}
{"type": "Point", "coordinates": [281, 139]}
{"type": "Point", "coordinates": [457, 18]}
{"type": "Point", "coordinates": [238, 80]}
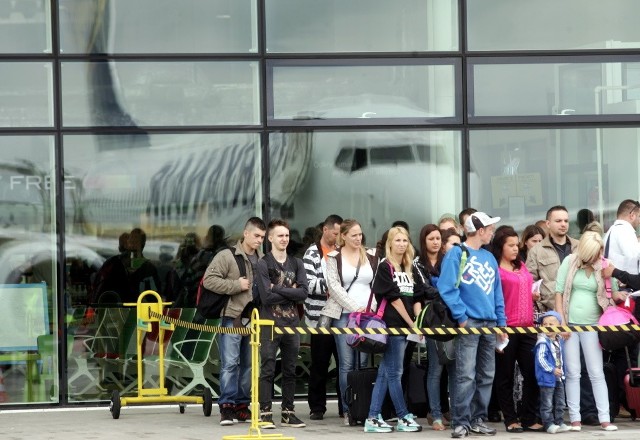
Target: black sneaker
{"type": "Point", "coordinates": [289, 419]}
{"type": "Point", "coordinates": [482, 429]}
{"type": "Point", "coordinates": [227, 414]}
{"type": "Point", "coordinates": [266, 420]}
{"type": "Point", "coordinates": [316, 415]}
{"type": "Point", "coordinates": [460, 432]}
{"type": "Point", "coordinates": [243, 413]}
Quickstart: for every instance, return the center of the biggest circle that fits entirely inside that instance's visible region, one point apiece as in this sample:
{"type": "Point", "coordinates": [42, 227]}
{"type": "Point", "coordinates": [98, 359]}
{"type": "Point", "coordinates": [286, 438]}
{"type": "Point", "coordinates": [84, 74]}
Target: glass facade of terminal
{"type": "Point", "coordinates": [172, 116]}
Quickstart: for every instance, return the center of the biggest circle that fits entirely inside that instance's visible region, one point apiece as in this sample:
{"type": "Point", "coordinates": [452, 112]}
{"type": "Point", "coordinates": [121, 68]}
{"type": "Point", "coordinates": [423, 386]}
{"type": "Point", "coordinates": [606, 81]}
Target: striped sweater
{"type": "Point", "coordinates": [315, 267]}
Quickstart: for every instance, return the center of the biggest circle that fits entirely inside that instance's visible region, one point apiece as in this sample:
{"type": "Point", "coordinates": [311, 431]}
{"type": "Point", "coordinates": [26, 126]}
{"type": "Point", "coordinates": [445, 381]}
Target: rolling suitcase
{"type": "Point", "coordinates": [360, 384]}
{"type": "Point", "coordinates": [632, 388]}
{"type": "Point", "coordinates": [416, 389]}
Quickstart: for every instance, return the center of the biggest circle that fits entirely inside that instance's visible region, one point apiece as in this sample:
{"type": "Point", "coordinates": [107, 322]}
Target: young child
{"type": "Point", "coordinates": [550, 374]}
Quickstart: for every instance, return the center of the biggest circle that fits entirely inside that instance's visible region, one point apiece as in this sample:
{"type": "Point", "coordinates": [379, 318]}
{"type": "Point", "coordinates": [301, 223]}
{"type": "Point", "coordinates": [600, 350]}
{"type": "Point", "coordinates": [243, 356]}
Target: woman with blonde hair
{"type": "Point", "coordinates": [581, 298]}
{"type": "Point", "coordinates": [349, 276]}
{"type": "Point", "coordinates": [393, 286]}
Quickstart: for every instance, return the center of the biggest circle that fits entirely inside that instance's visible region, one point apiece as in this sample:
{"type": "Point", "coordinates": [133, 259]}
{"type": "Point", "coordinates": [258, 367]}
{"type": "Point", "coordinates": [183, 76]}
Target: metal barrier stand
{"type": "Point", "coordinates": [148, 313]}
{"type": "Point", "coordinates": [254, 429]}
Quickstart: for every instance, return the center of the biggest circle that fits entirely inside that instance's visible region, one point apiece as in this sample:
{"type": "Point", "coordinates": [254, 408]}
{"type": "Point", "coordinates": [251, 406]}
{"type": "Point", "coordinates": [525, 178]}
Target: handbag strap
{"type": "Point", "coordinates": [383, 303]}
{"type": "Point", "coordinates": [607, 281]}
{"type": "Point", "coordinates": [356, 276]}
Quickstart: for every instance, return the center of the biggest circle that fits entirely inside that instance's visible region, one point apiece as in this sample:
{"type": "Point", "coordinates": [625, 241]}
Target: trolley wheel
{"type": "Point", "coordinates": [634, 414]}
{"type": "Point", "coordinates": [352, 421]}
{"type": "Point", "coordinates": [183, 407]}
{"type": "Point", "coordinates": [115, 406]}
{"type": "Point", "coordinates": [207, 403]}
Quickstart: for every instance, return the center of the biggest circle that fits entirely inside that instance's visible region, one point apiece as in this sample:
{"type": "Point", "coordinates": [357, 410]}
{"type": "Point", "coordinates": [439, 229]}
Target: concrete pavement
{"type": "Point", "coordinates": [166, 422]}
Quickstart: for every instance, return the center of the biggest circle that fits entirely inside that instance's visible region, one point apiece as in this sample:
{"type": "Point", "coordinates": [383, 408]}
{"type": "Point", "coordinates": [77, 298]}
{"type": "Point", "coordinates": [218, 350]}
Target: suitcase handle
{"type": "Point", "coordinates": [632, 379]}
{"type": "Point", "coordinates": [348, 395]}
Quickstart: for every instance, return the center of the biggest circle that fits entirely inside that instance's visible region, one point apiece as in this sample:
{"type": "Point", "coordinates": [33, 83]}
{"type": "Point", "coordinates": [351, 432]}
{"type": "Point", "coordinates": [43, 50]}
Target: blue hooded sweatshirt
{"type": "Point", "coordinates": [479, 294]}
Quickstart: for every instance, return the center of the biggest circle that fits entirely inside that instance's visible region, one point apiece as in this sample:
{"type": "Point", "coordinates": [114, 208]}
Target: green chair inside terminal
{"type": "Point", "coordinates": [47, 378]}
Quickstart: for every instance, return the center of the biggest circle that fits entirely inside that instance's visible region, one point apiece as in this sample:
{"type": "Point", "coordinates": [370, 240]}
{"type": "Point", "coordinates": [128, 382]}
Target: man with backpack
{"type": "Point", "coordinates": [475, 299]}
{"type": "Point", "coordinates": [282, 283]}
{"type": "Point", "coordinates": [223, 276]}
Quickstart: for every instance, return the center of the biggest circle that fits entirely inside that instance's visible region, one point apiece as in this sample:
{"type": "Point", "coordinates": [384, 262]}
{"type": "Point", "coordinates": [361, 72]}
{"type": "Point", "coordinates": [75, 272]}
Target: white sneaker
{"type": "Point", "coordinates": [575, 428]}
{"type": "Point", "coordinates": [553, 428]}
{"type": "Point", "coordinates": [563, 428]}
{"type": "Point", "coordinates": [408, 424]}
{"type": "Point", "coordinates": [377, 425]}
{"type": "Point", "coordinates": [609, 427]}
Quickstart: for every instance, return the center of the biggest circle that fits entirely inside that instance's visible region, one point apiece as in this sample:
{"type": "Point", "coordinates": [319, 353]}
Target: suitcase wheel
{"type": "Point", "coordinates": [352, 422]}
{"type": "Point", "coordinates": [633, 414]}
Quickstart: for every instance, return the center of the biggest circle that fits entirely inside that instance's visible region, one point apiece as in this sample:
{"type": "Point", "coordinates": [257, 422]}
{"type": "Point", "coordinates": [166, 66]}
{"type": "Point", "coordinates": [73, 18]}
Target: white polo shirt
{"type": "Point", "coordinates": [624, 249]}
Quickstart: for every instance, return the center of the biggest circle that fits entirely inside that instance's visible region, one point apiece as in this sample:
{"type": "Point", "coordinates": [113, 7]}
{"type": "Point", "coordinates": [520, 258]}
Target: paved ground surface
{"type": "Point", "coordinates": [166, 422]}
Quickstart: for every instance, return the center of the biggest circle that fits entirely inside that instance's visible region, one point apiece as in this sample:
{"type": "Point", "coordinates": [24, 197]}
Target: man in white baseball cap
{"type": "Point", "coordinates": [474, 296]}
{"type": "Point", "coordinates": [479, 220]}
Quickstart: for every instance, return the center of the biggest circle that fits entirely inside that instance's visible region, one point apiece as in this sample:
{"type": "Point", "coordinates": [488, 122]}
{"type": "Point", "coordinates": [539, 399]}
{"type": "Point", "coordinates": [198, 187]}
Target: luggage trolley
{"type": "Point", "coordinates": [155, 395]}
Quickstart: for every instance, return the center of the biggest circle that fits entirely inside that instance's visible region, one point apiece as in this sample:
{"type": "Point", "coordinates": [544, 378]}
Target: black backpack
{"type": "Point", "coordinates": [211, 304]}
{"type": "Point", "coordinates": [435, 313]}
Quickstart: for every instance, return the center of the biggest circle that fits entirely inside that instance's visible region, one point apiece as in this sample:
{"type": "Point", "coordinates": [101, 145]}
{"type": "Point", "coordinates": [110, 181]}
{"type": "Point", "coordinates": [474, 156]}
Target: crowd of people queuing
{"type": "Point", "coordinates": [539, 277]}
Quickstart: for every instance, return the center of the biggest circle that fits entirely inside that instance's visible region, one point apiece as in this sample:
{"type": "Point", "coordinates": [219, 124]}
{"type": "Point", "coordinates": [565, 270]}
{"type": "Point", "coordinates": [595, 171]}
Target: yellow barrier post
{"type": "Point", "coordinates": [254, 429]}
{"type": "Point", "coordinates": [147, 313]}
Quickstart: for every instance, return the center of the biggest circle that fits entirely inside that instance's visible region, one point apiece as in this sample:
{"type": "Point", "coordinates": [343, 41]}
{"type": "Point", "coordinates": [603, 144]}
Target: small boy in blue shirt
{"type": "Point", "coordinates": [549, 367]}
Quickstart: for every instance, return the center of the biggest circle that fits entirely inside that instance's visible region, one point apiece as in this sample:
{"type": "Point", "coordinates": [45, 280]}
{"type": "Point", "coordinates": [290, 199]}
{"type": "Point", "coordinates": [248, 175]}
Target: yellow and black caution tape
{"type": "Point", "coordinates": [442, 331]}
{"type": "Point", "coordinates": [201, 327]}
{"type": "Point", "coordinates": [427, 331]}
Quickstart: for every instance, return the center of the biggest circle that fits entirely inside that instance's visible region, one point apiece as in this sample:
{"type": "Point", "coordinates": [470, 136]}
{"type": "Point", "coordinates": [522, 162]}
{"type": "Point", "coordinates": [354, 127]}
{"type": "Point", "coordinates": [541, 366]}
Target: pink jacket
{"type": "Point", "coordinates": [518, 299]}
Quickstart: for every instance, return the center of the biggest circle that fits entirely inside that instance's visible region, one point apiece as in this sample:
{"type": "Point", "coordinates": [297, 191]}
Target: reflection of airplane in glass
{"type": "Point", "coordinates": [377, 178]}
{"type": "Point", "coordinates": [183, 182]}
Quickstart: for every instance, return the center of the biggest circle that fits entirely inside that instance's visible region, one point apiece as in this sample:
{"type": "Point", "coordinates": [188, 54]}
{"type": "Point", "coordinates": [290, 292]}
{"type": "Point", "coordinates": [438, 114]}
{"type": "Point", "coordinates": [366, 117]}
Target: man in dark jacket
{"type": "Point", "coordinates": [282, 284]}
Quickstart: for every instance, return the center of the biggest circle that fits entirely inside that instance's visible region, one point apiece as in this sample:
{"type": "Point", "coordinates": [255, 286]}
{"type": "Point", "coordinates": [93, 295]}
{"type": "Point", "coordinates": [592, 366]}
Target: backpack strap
{"type": "Point", "coordinates": [463, 262]}
{"type": "Point", "coordinates": [242, 265]}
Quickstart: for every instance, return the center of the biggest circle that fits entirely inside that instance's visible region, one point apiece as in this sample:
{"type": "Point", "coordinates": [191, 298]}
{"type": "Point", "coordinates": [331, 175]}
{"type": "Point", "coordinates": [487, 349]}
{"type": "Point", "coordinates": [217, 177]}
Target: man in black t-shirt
{"type": "Point", "coordinates": [282, 283]}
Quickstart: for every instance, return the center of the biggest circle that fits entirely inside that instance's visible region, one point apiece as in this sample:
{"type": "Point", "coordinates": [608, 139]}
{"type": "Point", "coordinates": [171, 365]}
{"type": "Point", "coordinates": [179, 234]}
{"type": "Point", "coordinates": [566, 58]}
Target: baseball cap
{"type": "Point", "coordinates": [550, 313]}
{"type": "Point", "coordinates": [479, 220]}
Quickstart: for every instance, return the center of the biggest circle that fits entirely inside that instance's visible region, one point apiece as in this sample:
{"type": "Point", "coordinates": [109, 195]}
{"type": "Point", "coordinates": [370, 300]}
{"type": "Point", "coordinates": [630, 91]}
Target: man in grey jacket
{"type": "Point", "coordinates": [223, 276]}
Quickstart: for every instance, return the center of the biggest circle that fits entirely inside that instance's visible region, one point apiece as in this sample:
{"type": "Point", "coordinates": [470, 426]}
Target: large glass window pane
{"type": "Point", "coordinates": [365, 94]}
{"type": "Point", "coordinates": [158, 26]}
{"type": "Point", "coordinates": [495, 25]}
{"type": "Point", "coordinates": [171, 187]}
{"type": "Point", "coordinates": [376, 177]}
{"type": "Point", "coordinates": [28, 276]}
{"type": "Point", "coordinates": [160, 93]}
{"type": "Point", "coordinates": [25, 27]}
{"type": "Point", "coordinates": [549, 88]}
{"type": "Point", "coordinates": [26, 91]}
{"type": "Point", "coordinates": [361, 25]}
{"type": "Point", "coordinates": [522, 173]}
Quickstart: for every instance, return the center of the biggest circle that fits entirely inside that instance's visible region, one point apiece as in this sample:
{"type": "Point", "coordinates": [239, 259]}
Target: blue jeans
{"type": "Point", "coordinates": [390, 378]}
{"type": "Point", "coordinates": [346, 358]}
{"type": "Point", "coordinates": [475, 369]}
{"type": "Point", "coordinates": [434, 372]}
{"type": "Point", "coordinates": [552, 404]}
{"type": "Point", "coordinates": [235, 373]}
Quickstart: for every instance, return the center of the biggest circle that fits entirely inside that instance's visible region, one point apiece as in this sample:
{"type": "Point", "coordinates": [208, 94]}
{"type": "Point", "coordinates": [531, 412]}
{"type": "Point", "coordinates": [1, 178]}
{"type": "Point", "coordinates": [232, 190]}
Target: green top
{"type": "Point", "coordinates": [583, 303]}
